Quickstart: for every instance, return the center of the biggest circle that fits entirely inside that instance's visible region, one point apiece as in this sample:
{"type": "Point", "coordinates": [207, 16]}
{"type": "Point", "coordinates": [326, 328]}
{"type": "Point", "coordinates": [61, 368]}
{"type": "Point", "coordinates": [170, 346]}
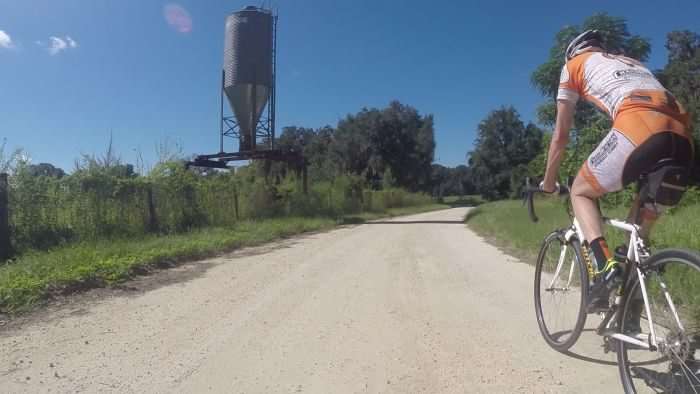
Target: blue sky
{"type": "Point", "coordinates": [119, 67]}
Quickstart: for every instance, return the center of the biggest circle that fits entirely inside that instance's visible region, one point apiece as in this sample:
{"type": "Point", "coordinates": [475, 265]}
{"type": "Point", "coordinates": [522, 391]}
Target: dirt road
{"type": "Point", "coordinates": [418, 304]}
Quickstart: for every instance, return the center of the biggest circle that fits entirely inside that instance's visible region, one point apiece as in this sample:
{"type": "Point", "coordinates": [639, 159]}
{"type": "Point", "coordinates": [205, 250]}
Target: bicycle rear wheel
{"type": "Point", "coordinates": [561, 290]}
{"type": "Point", "coordinates": [675, 314]}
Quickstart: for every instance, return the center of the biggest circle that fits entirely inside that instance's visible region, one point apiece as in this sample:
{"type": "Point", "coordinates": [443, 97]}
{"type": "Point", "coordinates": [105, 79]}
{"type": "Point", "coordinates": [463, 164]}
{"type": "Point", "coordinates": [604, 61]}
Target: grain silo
{"type": "Point", "coordinates": [248, 70]}
{"type": "Point", "coordinates": [248, 83]}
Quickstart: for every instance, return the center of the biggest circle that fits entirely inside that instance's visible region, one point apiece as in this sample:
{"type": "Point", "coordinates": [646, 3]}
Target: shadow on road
{"type": "Point", "coordinates": [579, 356]}
{"type": "Point", "coordinates": [419, 222]}
{"type": "Point", "coordinates": [470, 201]}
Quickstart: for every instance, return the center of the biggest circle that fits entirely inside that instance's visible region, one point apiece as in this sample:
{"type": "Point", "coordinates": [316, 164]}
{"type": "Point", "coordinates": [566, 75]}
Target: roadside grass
{"type": "Point", "coordinates": [37, 276]}
{"type": "Point", "coordinates": [507, 225]}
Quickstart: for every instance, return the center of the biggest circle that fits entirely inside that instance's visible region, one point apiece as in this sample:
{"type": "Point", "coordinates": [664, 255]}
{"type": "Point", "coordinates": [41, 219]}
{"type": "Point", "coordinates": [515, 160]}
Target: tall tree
{"type": "Point", "coordinates": [503, 147]}
{"type": "Point", "coordinates": [446, 181]}
{"type": "Point", "coordinates": [404, 143]}
{"type": "Point", "coordinates": [396, 140]}
{"type": "Point", "coordinates": [313, 145]}
{"type": "Point", "coordinates": [352, 145]}
{"type": "Point", "coordinates": [45, 169]}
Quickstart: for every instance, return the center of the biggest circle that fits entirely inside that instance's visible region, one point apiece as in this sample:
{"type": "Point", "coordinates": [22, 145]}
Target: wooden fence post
{"type": "Point", "coordinates": [5, 245]}
{"type": "Point", "coordinates": [235, 202]}
{"type": "Point", "coordinates": [152, 219]}
{"type": "Point", "coordinates": [305, 178]}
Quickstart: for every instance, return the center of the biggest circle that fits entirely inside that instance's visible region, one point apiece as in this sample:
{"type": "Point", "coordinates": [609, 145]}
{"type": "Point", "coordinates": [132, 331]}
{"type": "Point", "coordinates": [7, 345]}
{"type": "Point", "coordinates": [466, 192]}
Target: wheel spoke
{"type": "Point", "coordinates": [672, 312]}
{"type": "Point", "coordinates": [685, 369]}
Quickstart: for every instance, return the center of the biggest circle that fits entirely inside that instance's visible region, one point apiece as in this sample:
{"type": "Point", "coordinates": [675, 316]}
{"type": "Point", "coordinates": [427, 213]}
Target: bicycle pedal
{"type": "Point", "coordinates": [608, 342]}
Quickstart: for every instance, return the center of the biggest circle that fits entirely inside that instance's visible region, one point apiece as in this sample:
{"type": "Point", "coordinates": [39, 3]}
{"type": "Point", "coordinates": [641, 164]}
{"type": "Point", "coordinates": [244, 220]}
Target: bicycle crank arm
{"type": "Point", "coordinates": [607, 318]}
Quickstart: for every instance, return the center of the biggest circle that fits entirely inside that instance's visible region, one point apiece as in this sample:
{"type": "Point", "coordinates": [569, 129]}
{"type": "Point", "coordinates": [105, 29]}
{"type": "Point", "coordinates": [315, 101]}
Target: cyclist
{"type": "Point", "coordinates": [648, 125]}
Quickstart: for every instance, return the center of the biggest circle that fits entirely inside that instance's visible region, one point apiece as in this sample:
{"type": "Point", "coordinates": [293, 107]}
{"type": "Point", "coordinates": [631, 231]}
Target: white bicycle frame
{"type": "Point", "coordinates": [636, 245]}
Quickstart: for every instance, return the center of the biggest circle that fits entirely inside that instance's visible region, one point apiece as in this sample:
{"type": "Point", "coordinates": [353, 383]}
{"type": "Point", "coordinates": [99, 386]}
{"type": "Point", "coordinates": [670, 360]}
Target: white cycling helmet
{"type": "Point", "coordinates": [585, 40]}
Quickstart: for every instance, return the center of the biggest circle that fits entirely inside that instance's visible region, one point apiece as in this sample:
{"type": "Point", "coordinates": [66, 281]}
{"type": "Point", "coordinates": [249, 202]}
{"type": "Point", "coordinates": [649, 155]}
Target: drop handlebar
{"type": "Point", "coordinates": [529, 192]}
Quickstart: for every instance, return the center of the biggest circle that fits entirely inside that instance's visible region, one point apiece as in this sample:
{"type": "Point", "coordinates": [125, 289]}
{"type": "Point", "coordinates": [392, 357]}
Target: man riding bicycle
{"type": "Point", "coordinates": [649, 125]}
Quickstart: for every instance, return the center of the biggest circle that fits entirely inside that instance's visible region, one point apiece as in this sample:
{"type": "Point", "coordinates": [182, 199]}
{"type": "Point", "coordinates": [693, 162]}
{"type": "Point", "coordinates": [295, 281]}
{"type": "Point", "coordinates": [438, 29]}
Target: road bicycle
{"type": "Point", "coordinates": [653, 318]}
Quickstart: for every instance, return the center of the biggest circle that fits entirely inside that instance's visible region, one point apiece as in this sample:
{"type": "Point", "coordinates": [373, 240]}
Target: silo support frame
{"type": "Point", "coordinates": [263, 135]}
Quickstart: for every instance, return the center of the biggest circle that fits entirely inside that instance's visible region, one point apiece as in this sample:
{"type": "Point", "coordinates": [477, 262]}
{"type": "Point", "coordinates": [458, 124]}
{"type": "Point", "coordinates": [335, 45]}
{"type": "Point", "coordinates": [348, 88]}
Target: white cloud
{"type": "Point", "coordinates": [58, 44]}
{"type": "Point", "coordinates": [6, 40]}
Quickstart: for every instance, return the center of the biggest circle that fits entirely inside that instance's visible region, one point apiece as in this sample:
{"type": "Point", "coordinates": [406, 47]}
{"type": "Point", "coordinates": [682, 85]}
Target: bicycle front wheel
{"type": "Point", "coordinates": [561, 290]}
{"type": "Point", "coordinates": [672, 282]}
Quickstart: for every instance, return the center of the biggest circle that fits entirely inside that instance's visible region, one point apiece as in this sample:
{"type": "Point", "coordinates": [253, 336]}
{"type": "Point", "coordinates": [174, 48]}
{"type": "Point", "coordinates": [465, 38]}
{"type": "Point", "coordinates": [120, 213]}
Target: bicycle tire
{"type": "Point", "coordinates": [556, 238]}
{"type": "Point", "coordinates": [657, 260]}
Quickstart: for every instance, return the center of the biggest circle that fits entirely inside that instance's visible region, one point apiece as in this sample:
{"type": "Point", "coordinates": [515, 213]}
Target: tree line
{"type": "Point", "coordinates": [389, 147]}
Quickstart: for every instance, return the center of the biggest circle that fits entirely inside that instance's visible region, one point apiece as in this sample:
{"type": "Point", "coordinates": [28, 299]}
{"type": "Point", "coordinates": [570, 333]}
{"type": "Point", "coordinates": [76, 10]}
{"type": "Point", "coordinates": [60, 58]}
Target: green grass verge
{"type": "Point", "coordinates": [36, 276]}
{"type": "Point", "coordinates": [506, 224]}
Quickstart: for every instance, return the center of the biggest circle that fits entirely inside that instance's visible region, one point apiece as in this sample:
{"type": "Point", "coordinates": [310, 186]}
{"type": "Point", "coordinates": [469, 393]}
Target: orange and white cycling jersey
{"type": "Point", "coordinates": [643, 112]}
{"type": "Point", "coordinates": [615, 84]}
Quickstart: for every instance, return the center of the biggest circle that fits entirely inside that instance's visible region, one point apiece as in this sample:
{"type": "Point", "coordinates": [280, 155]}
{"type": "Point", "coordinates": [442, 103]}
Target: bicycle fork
{"type": "Point", "coordinates": [560, 264]}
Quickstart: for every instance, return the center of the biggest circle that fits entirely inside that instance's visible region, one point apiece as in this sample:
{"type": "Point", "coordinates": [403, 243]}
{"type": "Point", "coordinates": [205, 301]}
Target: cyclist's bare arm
{"type": "Point", "coordinates": [560, 138]}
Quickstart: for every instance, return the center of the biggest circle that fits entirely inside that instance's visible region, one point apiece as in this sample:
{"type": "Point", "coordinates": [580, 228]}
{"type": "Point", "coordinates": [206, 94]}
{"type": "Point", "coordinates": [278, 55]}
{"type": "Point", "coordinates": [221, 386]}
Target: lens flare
{"type": "Point", "coordinates": [178, 18]}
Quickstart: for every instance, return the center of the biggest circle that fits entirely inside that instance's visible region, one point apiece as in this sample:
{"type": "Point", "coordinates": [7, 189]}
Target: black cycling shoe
{"type": "Point", "coordinates": [598, 297]}
{"type": "Point", "coordinates": [599, 293]}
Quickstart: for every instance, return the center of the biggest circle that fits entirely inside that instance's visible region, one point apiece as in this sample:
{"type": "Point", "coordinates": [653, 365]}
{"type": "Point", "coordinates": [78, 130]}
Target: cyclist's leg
{"type": "Point", "coordinates": [583, 200]}
{"type": "Point", "coordinates": [644, 216]}
{"type": "Point", "coordinates": [648, 217]}
{"type": "Point", "coordinates": [601, 173]}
